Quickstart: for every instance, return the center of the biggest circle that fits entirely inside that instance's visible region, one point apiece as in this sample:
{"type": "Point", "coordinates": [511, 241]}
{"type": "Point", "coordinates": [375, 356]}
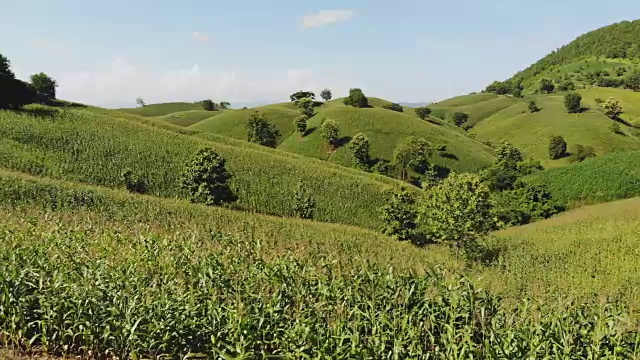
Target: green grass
{"type": "Point", "coordinates": [88, 147]}
{"type": "Point", "coordinates": [90, 271]}
{"type": "Point", "coordinates": [629, 100]}
{"type": "Point", "coordinates": [189, 117]}
{"type": "Point", "coordinates": [477, 111]}
{"type": "Point", "coordinates": [464, 100]}
{"type": "Point", "coordinates": [607, 178]}
{"type": "Point", "coordinates": [162, 109]}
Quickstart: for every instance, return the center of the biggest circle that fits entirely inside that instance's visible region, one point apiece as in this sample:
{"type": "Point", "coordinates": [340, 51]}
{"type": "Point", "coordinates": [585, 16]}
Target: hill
{"type": "Point", "coordinates": [188, 118]}
{"type": "Point", "coordinates": [478, 106]}
{"type": "Point", "coordinates": [95, 146]}
{"type": "Point", "coordinates": [384, 128]}
{"type": "Point", "coordinates": [162, 109]}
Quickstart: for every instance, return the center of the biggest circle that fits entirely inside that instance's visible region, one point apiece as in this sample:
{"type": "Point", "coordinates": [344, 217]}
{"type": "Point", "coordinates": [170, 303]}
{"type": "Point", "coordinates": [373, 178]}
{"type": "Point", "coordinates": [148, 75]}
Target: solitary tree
{"type": "Point", "coordinates": [359, 147]}
{"type": "Point", "coordinates": [326, 95]}
{"type": "Point", "coordinates": [612, 108]}
{"type": "Point", "coordinates": [261, 131]}
{"type": "Point", "coordinates": [224, 105]}
{"type": "Point", "coordinates": [301, 124]}
{"type": "Point", "coordinates": [546, 86]}
{"type": "Point", "coordinates": [306, 106]}
{"type": "Point", "coordinates": [412, 153]}
{"type": "Point", "coordinates": [533, 107]}
{"type": "Point", "coordinates": [330, 132]}
{"type": "Point", "coordinates": [423, 112]}
{"type": "Point", "coordinates": [140, 102]}
{"type": "Point", "coordinates": [572, 102]}
{"type": "Point", "coordinates": [399, 215]}
{"type": "Point", "coordinates": [45, 87]}
{"type": "Point", "coordinates": [301, 95]}
{"type": "Point", "coordinates": [557, 147]}
{"type": "Point", "coordinates": [208, 105]}
{"type": "Point", "coordinates": [206, 179]}
{"type": "Point", "coordinates": [460, 118]}
{"type": "Point", "coordinates": [356, 98]}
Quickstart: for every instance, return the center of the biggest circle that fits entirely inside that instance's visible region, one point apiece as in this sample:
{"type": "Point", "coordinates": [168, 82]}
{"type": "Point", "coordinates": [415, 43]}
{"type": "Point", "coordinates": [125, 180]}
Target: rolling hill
{"type": "Point", "coordinates": [153, 110]}
{"type": "Point", "coordinates": [188, 118]}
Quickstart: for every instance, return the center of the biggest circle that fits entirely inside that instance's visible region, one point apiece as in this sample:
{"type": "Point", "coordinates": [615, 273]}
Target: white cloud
{"type": "Point", "coordinates": [200, 37]}
{"type": "Point", "coordinates": [122, 82]}
{"type": "Point", "coordinates": [325, 17]}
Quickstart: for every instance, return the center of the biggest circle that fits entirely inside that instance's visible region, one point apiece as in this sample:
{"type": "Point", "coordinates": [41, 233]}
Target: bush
{"type": "Point", "coordinates": [359, 147]}
{"type": "Point", "coordinates": [399, 215]}
{"type": "Point", "coordinates": [326, 95]}
{"type": "Point", "coordinates": [423, 112]}
{"type": "Point", "coordinates": [262, 132]}
{"type": "Point", "coordinates": [412, 153]}
{"type": "Point", "coordinates": [598, 100]}
{"type": "Point", "coordinates": [330, 132]}
{"type": "Point", "coordinates": [301, 124]}
{"type": "Point", "coordinates": [566, 86]}
{"type": "Point", "coordinates": [44, 86]}
{"type": "Point", "coordinates": [580, 153]}
{"type": "Point", "coordinates": [304, 206]}
{"type": "Point", "coordinates": [356, 98]}
{"type": "Point", "coordinates": [533, 107]}
{"type": "Point", "coordinates": [208, 105]}
{"type": "Point", "coordinates": [393, 107]}
{"type": "Point", "coordinates": [572, 102]}
{"type": "Point", "coordinates": [460, 118]}
{"type": "Point", "coordinates": [457, 212]}
{"type": "Point", "coordinates": [633, 81]}
{"type": "Point", "coordinates": [306, 106]}
{"type": "Point", "coordinates": [517, 93]}
{"type": "Point", "coordinates": [206, 179]}
{"type": "Point", "coordinates": [557, 147]}
{"type": "Point", "coordinates": [615, 128]}
{"type": "Point", "coordinates": [546, 86]}
{"type": "Point", "coordinates": [612, 108]}
{"type": "Point", "coordinates": [133, 183]}
{"type": "Point", "coordinates": [384, 167]}
{"type": "Point", "coordinates": [524, 205]}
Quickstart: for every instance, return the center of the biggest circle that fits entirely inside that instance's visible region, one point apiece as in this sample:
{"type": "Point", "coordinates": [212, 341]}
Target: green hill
{"type": "Point", "coordinates": [92, 147]}
{"type": "Point", "coordinates": [479, 107]}
{"type": "Point", "coordinates": [189, 117]}
{"type": "Point", "coordinates": [162, 109]}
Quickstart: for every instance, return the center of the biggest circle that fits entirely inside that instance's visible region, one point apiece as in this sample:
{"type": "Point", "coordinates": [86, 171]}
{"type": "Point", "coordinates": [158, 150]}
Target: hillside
{"type": "Point", "coordinates": [91, 146]}
{"type": "Point", "coordinates": [384, 128]}
{"type": "Point", "coordinates": [153, 110]}
{"type": "Point", "coordinates": [478, 106]}
{"type": "Point", "coordinates": [188, 118]}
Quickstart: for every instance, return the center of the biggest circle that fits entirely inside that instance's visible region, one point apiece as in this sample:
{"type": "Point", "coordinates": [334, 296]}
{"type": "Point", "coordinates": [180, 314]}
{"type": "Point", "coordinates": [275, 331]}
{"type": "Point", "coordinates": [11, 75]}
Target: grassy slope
{"type": "Point", "coordinates": [189, 117]}
{"type": "Point", "coordinates": [162, 109]}
{"type": "Point", "coordinates": [479, 107]}
{"type": "Point", "coordinates": [531, 132]}
{"type": "Point", "coordinates": [88, 147]}
{"type": "Point", "coordinates": [629, 100]}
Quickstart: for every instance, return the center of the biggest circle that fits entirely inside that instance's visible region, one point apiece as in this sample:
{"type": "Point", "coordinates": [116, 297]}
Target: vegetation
{"type": "Point", "coordinates": [44, 87]}
{"type": "Point", "coordinates": [533, 107]}
{"type": "Point", "coordinates": [546, 86]}
{"type": "Point", "coordinates": [615, 128]}
{"type": "Point", "coordinates": [459, 118]}
{"type": "Point", "coordinates": [326, 94]}
{"type": "Point", "coordinates": [423, 112]}
{"type": "Point", "coordinates": [306, 107]}
{"type": "Point", "coordinates": [331, 133]}
{"type": "Point", "coordinates": [15, 93]}
{"type": "Point", "coordinates": [295, 97]}
{"type": "Point", "coordinates": [572, 102]}
{"type": "Point", "coordinates": [262, 132]}
{"type": "Point", "coordinates": [206, 179]}
{"type": "Point", "coordinates": [557, 147]}
{"type": "Point", "coordinates": [140, 102]}
{"type": "Point", "coordinates": [612, 109]}
{"type": "Point", "coordinates": [580, 153]}
{"type": "Point", "coordinates": [304, 205]}
{"type": "Point", "coordinates": [209, 105]}
{"type": "Point", "coordinates": [359, 147]}
{"type": "Point", "coordinates": [399, 216]}
{"type": "Point", "coordinates": [413, 153]}
{"type": "Point", "coordinates": [393, 107]}
{"type": "Point", "coordinates": [357, 99]}
{"type": "Point", "coordinates": [153, 110]}
{"type": "Point", "coordinates": [301, 124]}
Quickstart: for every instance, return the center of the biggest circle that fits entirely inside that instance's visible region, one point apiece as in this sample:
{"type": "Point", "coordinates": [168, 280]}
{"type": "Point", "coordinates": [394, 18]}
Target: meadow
{"type": "Point", "coordinates": [153, 110]}
{"type": "Point", "coordinates": [188, 118]}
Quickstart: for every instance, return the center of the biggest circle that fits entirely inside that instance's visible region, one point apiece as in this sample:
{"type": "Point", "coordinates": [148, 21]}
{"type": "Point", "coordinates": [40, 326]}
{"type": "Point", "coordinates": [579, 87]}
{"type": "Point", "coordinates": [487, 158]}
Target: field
{"type": "Point", "coordinates": [153, 110]}
{"type": "Point", "coordinates": [189, 117]}
{"type": "Point", "coordinates": [91, 148]}
{"type": "Point", "coordinates": [477, 111]}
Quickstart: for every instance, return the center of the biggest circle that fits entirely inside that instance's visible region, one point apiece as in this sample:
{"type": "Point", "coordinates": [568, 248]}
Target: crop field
{"type": "Point", "coordinates": [189, 117]}
{"type": "Point", "coordinates": [153, 110]}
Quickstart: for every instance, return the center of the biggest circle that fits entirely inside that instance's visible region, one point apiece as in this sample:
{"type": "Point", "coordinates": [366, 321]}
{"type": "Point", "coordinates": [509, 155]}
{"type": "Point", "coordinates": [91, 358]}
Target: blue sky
{"type": "Point", "coordinates": [110, 52]}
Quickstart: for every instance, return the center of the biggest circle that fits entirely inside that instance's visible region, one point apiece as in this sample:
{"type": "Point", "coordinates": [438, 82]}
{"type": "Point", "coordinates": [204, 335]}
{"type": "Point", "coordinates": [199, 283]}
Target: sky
{"type": "Point", "coordinates": [108, 53]}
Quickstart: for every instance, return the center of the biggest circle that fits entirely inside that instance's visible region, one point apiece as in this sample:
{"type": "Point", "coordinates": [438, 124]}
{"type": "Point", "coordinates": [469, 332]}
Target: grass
{"type": "Point", "coordinates": [465, 100]}
{"type": "Point", "coordinates": [189, 117]}
{"type": "Point", "coordinates": [629, 100]}
{"type": "Point", "coordinates": [94, 148]}
{"type": "Point", "coordinates": [478, 111]}
{"type": "Point", "coordinates": [99, 272]}
{"type": "Point", "coordinates": [153, 110]}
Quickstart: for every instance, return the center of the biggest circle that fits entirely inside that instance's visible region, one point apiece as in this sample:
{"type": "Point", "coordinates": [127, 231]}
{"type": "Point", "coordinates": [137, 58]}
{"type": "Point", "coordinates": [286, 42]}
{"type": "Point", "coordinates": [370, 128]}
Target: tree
{"type": "Point", "coordinates": [615, 128]}
{"type": "Point", "coordinates": [523, 205]}
{"type": "Point", "coordinates": [633, 81]}
{"type": "Point", "coordinates": [140, 102]}
{"type": "Point", "coordinates": [517, 93]}
{"type": "Point", "coordinates": [224, 105]}
{"type": "Point", "coordinates": [460, 118]}
{"type": "Point", "coordinates": [557, 147]}
{"type": "Point", "coordinates": [262, 132]}
{"type": "Point", "coordinates": [304, 206]}
{"type": "Point", "coordinates": [14, 93]}
{"type": "Point", "coordinates": [423, 112]}
{"type": "Point", "coordinates": [393, 107]}
{"type": "Point", "coordinates": [500, 88]}
{"type": "Point", "coordinates": [295, 97]}
{"type": "Point", "coordinates": [457, 211]}
{"type": "Point", "coordinates": [305, 106]}
{"type": "Point", "coordinates": [330, 132]}
{"type": "Point", "coordinates": [326, 95]}
{"type": "Point", "coordinates": [572, 102]}
{"type": "Point", "coordinates": [566, 86]}
{"type": "Point", "coordinates": [580, 153]}
{"type": "Point", "coordinates": [44, 86]}
{"type": "Point", "coordinates": [208, 105]}
{"type": "Point", "coordinates": [301, 124]}
{"type": "Point", "coordinates": [206, 179]}
{"type": "Point", "coordinates": [533, 107]}
{"type": "Point", "coordinates": [359, 147]}
{"type": "Point", "coordinates": [546, 86]}
{"type": "Point", "coordinates": [133, 182]}
{"type": "Point", "coordinates": [412, 153]}
{"type": "Point", "coordinates": [506, 170]}
{"type": "Point", "coordinates": [399, 215]}
{"type": "Point", "coordinates": [356, 98]}
{"type": "Point", "coordinates": [612, 108]}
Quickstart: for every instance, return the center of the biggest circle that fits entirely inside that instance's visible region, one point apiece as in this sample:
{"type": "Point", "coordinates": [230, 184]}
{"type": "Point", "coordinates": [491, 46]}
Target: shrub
{"type": "Point", "coordinates": [633, 81]}
{"type": "Point", "coordinates": [572, 102]}
{"type": "Point", "coordinates": [262, 132]}
{"type": "Point", "coordinates": [533, 107]}
{"type": "Point", "coordinates": [524, 205]}
{"type": "Point", "coordinates": [393, 107]}
{"type": "Point", "coordinates": [44, 86]}
{"type": "Point", "coordinates": [557, 147]}
{"type": "Point", "coordinates": [326, 95]}
{"type": "Point", "coordinates": [580, 153]}
{"type": "Point", "coordinates": [612, 108]}
{"type": "Point", "coordinates": [206, 179]}
{"type": "Point", "coordinates": [506, 170]}
{"type": "Point", "coordinates": [208, 105]}
{"type": "Point", "coordinates": [399, 215]}
{"type": "Point", "coordinates": [384, 167]}
{"type": "Point", "coordinates": [598, 100]}
{"type": "Point", "coordinates": [224, 105]}
{"type": "Point", "coordinates": [356, 98]}
{"type": "Point", "coordinates": [359, 147]}
{"type": "Point", "coordinates": [304, 206]}
{"type": "Point", "coordinates": [306, 106]}
{"type": "Point", "coordinates": [457, 211]}
{"type": "Point", "coordinates": [566, 86]}
{"type": "Point", "coordinates": [330, 132]}
{"type": "Point", "coordinates": [133, 183]}
{"type": "Point", "coordinates": [460, 118]}
{"type": "Point", "coordinates": [517, 93]}
{"type": "Point", "coordinates": [301, 124]}
{"type": "Point", "coordinates": [546, 86]}
{"type": "Point", "coordinates": [615, 127]}
{"type": "Point", "coordinates": [423, 112]}
{"type": "Point", "coordinates": [412, 153]}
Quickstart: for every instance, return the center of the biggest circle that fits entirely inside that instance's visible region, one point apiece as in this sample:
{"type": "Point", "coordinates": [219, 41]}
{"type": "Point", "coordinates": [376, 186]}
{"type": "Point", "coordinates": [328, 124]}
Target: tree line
{"type": "Point", "coordinates": [16, 93]}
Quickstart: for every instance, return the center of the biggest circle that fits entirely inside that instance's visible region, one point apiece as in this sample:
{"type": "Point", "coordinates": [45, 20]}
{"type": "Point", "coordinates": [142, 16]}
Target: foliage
{"type": "Point", "coordinates": [301, 124]}
{"type": "Point", "coordinates": [330, 133]}
{"type": "Point", "coordinates": [633, 81]}
{"type": "Point", "coordinates": [384, 167]}
{"type": "Point", "coordinates": [262, 132]}
{"type": "Point", "coordinates": [546, 86]}
{"type": "Point", "coordinates": [44, 86]}
{"type": "Point", "coordinates": [598, 100]}
{"type": "Point", "coordinates": [133, 182]}
{"type": "Point", "coordinates": [357, 99]}
{"type": "Point", "coordinates": [580, 153]}
{"type": "Point", "coordinates": [304, 205]}
{"type": "Point", "coordinates": [524, 205]}
{"type": "Point", "coordinates": [412, 153]}
{"type": "Point", "coordinates": [423, 112]}
{"type": "Point", "coordinates": [393, 107]}
{"type": "Point", "coordinates": [506, 170]}
{"type": "Point", "coordinates": [517, 93]}
{"type": "Point", "coordinates": [224, 105]}
{"type": "Point", "coordinates": [615, 128]}
{"type": "Point", "coordinates": [612, 108]}
{"type": "Point", "coordinates": [457, 211]}
{"type": "Point", "coordinates": [359, 147]}
{"type": "Point", "coordinates": [460, 118]}
{"type": "Point", "coordinates": [326, 95]}
{"type": "Point", "coordinates": [14, 93]}
{"type": "Point", "coordinates": [206, 179]}
{"type": "Point", "coordinates": [533, 107]}
{"type": "Point", "coordinates": [572, 102]}
{"type": "Point", "coordinates": [140, 102]}
{"type": "Point", "coordinates": [295, 97]}
{"type": "Point", "coordinates": [209, 105]}
{"type": "Point", "coordinates": [566, 86]}
{"type": "Point", "coordinates": [500, 88]}
{"type": "Point", "coordinates": [306, 106]}
{"type": "Point", "coordinates": [399, 215]}
{"type": "Point", "coordinates": [557, 147]}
